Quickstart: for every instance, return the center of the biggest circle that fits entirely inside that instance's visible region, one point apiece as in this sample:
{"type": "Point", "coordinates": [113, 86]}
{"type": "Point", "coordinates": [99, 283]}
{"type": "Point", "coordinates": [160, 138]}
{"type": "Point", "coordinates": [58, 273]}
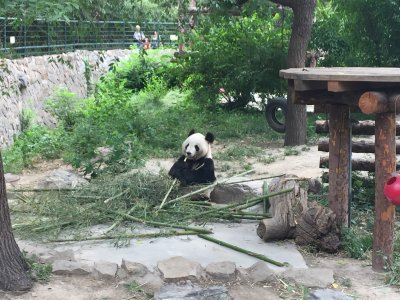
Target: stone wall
{"type": "Point", "coordinates": [26, 83]}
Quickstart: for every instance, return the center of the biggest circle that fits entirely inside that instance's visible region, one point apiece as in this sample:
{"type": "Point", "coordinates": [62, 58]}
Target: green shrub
{"type": "Point", "coordinates": [241, 55]}
{"type": "Point", "coordinates": [37, 142]}
{"type": "Point", "coordinates": [356, 242]}
{"type": "Point", "coordinates": [64, 106]}
{"type": "Point", "coordinates": [138, 72]}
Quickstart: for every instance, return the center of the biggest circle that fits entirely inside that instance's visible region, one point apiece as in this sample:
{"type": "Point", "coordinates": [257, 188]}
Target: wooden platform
{"type": "Point", "coordinates": [372, 90]}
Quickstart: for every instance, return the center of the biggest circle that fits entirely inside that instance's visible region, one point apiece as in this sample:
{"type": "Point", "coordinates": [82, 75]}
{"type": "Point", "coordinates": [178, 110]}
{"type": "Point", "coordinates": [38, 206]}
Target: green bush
{"type": "Point", "coordinates": [64, 106]}
{"type": "Point", "coordinates": [37, 142]}
{"type": "Point", "coordinates": [242, 55]}
{"type": "Point", "coordinates": [138, 72]}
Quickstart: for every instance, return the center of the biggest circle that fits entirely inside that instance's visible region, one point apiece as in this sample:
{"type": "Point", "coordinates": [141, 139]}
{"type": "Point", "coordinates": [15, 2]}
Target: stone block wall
{"type": "Point", "coordinates": [27, 82]}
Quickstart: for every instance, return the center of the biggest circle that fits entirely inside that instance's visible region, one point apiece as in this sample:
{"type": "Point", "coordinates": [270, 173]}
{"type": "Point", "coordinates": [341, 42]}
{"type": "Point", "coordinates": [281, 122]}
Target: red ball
{"type": "Point", "coordinates": [392, 189]}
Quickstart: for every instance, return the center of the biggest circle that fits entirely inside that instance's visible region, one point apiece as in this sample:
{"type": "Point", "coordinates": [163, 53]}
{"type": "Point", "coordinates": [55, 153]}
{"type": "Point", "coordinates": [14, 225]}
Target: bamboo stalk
{"type": "Point", "coordinates": [127, 236]}
{"type": "Point", "coordinates": [160, 224]}
{"type": "Point", "coordinates": [245, 204]}
{"type": "Point", "coordinates": [233, 247]}
{"type": "Point", "coordinates": [116, 223]}
{"type": "Point", "coordinates": [266, 200]}
{"type": "Point", "coordinates": [41, 190]}
{"type": "Point", "coordinates": [167, 194]}
{"type": "Point", "coordinates": [116, 196]}
{"type": "Point", "coordinates": [207, 187]}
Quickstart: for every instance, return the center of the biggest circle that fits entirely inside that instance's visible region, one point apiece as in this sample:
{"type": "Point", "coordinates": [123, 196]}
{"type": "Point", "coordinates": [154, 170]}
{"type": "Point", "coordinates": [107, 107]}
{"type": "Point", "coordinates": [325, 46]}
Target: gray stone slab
{"type": "Point", "coordinates": [65, 267]}
{"type": "Point", "coordinates": [189, 292]}
{"type": "Point", "coordinates": [105, 270]}
{"type": "Point", "coordinates": [259, 272]}
{"type": "Point", "coordinates": [149, 251]}
{"type": "Point", "coordinates": [313, 277]}
{"type": "Point", "coordinates": [328, 294]}
{"type": "Point", "coordinates": [179, 268]}
{"type": "Point", "coordinates": [221, 271]}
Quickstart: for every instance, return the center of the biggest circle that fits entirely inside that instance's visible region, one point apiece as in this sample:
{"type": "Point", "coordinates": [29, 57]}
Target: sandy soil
{"type": "Point", "coordinates": [353, 277]}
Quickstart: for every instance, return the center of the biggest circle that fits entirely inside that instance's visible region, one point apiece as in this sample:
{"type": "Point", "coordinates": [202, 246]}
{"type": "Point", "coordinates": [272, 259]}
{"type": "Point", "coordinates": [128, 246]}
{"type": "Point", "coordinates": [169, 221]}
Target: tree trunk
{"type": "Point", "coordinates": [193, 14]}
{"type": "Point", "coordinates": [181, 26]}
{"type": "Point", "coordinates": [296, 118]}
{"type": "Point", "coordinates": [13, 268]}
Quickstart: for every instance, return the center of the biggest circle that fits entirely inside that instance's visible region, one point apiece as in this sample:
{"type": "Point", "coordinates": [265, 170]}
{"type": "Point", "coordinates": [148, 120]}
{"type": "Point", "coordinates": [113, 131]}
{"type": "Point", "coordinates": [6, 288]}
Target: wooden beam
{"type": "Point", "coordinates": [339, 162]}
{"type": "Point", "coordinates": [324, 97]}
{"type": "Point", "coordinates": [356, 147]}
{"type": "Point", "coordinates": [378, 102]}
{"type": "Point", "coordinates": [306, 85]}
{"type": "Point", "coordinates": [347, 86]}
{"type": "Point", "coordinates": [359, 164]}
{"type": "Point", "coordinates": [385, 165]}
{"type": "Point", "coordinates": [366, 127]}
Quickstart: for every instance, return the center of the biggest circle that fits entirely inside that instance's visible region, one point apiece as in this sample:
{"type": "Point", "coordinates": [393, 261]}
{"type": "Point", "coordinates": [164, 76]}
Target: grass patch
{"type": "Point", "coordinates": [39, 272]}
{"type": "Point", "coordinates": [233, 153]}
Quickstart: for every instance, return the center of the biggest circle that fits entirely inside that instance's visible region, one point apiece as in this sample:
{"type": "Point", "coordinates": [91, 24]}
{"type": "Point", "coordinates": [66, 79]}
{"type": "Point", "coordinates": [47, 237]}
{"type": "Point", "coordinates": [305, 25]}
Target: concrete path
{"type": "Point", "coordinates": [150, 251]}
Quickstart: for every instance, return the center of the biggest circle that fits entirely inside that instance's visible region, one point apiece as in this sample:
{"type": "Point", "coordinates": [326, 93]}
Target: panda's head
{"type": "Point", "coordinates": [197, 146]}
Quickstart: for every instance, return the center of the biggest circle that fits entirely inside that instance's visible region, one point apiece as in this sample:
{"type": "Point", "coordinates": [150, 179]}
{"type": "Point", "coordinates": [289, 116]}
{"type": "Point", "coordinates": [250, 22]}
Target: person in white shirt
{"type": "Point", "coordinates": [139, 37]}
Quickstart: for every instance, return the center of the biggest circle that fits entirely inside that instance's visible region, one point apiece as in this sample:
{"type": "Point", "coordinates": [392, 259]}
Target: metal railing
{"type": "Point", "coordinates": [41, 37]}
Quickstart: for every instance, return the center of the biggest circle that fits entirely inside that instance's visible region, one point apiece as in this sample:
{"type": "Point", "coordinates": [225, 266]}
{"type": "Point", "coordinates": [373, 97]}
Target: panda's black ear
{"type": "Point", "coordinates": [191, 132]}
{"type": "Point", "coordinates": [209, 137]}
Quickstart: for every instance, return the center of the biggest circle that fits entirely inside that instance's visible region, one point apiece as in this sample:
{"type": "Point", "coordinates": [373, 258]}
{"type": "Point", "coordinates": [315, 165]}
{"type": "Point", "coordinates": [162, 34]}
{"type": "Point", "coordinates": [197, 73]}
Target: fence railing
{"type": "Point", "coordinates": [41, 37]}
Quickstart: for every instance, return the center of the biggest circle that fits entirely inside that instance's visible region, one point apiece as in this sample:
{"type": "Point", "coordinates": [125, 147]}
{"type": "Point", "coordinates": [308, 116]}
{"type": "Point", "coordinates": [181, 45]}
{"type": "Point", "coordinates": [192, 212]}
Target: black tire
{"type": "Point", "coordinates": [275, 113]}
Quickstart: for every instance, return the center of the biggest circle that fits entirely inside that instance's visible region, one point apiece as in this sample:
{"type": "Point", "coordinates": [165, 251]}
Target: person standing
{"type": "Point", "coordinates": [139, 37]}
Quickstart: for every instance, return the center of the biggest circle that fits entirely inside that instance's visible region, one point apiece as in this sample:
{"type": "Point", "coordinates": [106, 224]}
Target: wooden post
{"type": "Point", "coordinates": [339, 162]}
{"type": "Point", "coordinates": [385, 165]}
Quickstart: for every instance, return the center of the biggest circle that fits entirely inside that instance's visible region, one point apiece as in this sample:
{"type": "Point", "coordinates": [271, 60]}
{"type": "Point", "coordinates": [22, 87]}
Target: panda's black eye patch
{"type": "Point", "coordinates": [197, 148]}
{"type": "Point", "coordinates": [186, 146]}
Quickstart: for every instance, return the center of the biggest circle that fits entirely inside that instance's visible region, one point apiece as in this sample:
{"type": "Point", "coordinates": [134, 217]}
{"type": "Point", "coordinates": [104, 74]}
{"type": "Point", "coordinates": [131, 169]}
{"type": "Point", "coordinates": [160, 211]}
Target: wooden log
{"type": "Point", "coordinates": [339, 162]}
{"type": "Point", "coordinates": [356, 146]}
{"type": "Point", "coordinates": [318, 227]}
{"type": "Point", "coordinates": [378, 102]}
{"type": "Point", "coordinates": [284, 209]}
{"type": "Point", "coordinates": [324, 97]}
{"type": "Point", "coordinates": [293, 216]}
{"type": "Point", "coordinates": [385, 155]}
{"type": "Point", "coordinates": [356, 164]}
{"type": "Point", "coordinates": [366, 127]}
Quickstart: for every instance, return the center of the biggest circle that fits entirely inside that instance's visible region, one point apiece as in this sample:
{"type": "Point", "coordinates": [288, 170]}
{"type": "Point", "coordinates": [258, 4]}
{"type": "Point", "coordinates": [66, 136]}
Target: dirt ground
{"type": "Point", "coordinates": [353, 277]}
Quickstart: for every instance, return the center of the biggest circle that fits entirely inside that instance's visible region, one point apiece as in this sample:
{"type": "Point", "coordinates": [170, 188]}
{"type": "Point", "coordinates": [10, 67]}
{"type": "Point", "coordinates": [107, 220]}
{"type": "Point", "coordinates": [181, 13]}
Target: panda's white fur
{"type": "Point", "coordinates": [196, 146]}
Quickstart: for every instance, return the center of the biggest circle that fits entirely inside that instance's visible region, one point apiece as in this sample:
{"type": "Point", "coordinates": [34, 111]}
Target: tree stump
{"type": "Point", "coordinates": [284, 209]}
{"type": "Point", "coordinates": [294, 217]}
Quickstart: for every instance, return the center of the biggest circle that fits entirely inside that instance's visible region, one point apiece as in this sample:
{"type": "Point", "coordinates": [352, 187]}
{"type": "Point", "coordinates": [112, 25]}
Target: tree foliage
{"type": "Point", "coordinates": [367, 32]}
{"type": "Point", "coordinates": [241, 55]}
{"type": "Point", "coordinates": [89, 10]}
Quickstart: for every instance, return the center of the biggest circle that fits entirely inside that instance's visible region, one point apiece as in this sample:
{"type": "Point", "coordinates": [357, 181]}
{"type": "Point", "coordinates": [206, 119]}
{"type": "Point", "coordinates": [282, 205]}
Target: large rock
{"type": "Point", "coordinates": [65, 267]}
{"type": "Point", "coordinates": [179, 268]}
{"type": "Point", "coordinates": [232, 192]}
{"type": "Point", "coordinates": [62, 179]}
{"type": "Point", "coordinates": [313, 277]}
{"type": "Point", "coordinates": [189, 292]}
{"type": "Point", "coordinates": [221, 271]}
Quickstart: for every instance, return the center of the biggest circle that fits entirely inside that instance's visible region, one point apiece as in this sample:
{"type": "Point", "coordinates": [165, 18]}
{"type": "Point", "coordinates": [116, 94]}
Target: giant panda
{"type": "Point", "coordinates": [196, 165]}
